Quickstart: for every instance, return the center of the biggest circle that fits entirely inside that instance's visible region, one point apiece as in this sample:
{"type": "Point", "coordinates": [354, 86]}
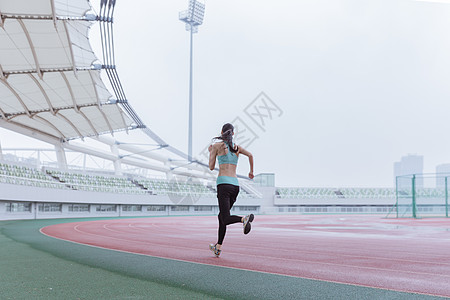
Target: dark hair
{"type": "Point", "coordinates": [227, 136]}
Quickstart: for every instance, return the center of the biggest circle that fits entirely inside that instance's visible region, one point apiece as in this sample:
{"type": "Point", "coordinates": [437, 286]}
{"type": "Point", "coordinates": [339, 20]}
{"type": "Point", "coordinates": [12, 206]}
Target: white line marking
{"type": "Point", "coordinates": [249, 270]}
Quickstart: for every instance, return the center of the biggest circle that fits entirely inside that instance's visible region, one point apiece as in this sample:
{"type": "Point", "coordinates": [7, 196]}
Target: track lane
{"type": "Point", "coordinates": [366, 251]}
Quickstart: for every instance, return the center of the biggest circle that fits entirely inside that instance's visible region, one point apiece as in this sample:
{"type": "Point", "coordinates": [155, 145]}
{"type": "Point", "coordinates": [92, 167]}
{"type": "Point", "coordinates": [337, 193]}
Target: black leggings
{"type": "Point", "coordinates": [226, 194]}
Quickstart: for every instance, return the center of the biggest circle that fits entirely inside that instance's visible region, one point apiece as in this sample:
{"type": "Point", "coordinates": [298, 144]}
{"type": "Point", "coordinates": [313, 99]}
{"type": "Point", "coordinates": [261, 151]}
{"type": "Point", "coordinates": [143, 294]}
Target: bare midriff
{"type": "Point", "coordinates": [227, 170]}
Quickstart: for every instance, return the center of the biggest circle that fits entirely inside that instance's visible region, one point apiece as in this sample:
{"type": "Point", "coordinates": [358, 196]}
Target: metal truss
{"type": "Point", "coordinates": [109, 64]}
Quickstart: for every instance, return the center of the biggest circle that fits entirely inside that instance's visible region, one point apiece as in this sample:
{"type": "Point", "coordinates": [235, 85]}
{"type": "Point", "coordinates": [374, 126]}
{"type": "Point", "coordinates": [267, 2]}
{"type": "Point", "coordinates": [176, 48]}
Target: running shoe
{"type": "Point", "coordinates": [247, 223]}
{"type": "Point", "coordinates": [214, 249]}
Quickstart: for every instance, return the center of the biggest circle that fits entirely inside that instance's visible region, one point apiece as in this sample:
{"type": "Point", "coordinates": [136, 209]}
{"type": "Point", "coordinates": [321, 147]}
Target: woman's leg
{"type": "Point", "coordinates": [222, 230]}
{"type": "Point", "coordinates": [226, 194]}
{"type": "Point", "coordinates": [233, 196]}
{"type": "Point", "coordinates": [246, 220]}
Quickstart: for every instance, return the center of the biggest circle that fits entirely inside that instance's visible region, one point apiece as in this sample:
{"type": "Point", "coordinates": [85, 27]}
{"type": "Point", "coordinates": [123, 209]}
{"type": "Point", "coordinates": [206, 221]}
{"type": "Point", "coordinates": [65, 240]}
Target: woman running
{"type": "Point", "coordinates": [227, 154]}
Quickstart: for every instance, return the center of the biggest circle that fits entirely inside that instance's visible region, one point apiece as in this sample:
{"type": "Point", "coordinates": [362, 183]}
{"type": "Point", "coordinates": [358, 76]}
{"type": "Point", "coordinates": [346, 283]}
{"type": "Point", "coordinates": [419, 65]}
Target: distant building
{"type": "Point", "coordinates": [408, 165]}
{"type": "Point", "coordinates": [265, 179]}
{"type": "Point", "coordinates": [443, 169]}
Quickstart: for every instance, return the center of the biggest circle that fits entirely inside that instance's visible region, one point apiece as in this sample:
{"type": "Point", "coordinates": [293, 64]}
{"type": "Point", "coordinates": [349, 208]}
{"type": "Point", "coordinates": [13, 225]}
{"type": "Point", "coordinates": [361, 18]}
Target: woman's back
{"type": "Point", "coordinates": [227, 153]}
{"type": "Point", "coordinates": [227, 160]}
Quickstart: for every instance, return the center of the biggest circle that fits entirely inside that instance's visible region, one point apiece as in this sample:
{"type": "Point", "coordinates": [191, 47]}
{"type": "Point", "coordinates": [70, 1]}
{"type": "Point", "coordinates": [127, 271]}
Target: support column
{"type": "Point", "coordinates": [446, 197]}
{"type": "Point", "coordinates": [190, 99]}
{"type": "Point", "coordinates": [117, 162]}
{"type": "Point", "coordinates": [38, 160]}
{"type": "Point", "coordinates": [1, 152]}
{"type": "Point", "coordinates": [61, 157]}
{"type": "Point", "coordinates": [169, 174]}
{"type": "Point", "coordinates": [414, 209]}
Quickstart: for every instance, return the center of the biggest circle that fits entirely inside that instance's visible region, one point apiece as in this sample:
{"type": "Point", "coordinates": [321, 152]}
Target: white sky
{"type": "Point", "coordinates": [360, 82]}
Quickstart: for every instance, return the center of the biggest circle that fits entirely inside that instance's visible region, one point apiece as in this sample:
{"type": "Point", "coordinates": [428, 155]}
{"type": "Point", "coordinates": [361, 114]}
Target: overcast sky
{"type": "Point", "coordinates": [358, 83]}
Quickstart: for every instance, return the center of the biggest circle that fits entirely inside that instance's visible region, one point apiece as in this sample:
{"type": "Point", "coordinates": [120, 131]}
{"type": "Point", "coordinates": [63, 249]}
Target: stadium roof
{"type": "Point", "coordinates": [50, 84]}
{"type": "Point", "coordinates": [48, 80]}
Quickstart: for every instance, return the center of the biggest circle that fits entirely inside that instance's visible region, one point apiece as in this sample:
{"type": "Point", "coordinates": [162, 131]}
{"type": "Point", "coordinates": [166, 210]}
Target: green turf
{"type": "Point", "coordinates": [34, 266]}
{"type": "Point", "coordinates": [27, 273]}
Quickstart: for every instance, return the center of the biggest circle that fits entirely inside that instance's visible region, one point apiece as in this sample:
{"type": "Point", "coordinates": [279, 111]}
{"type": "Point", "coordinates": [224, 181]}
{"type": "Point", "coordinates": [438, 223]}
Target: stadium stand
{"type": "Point", "coordinates": [96, 183]}
{"type": "Point", "coordinates": [22, 175]}
{"type": "Point", "coordinates": [430, 192]}
{"type": "Point", "coordinates": [316, 193]}
{"type": "Point", "coordinates": [164, 187]}
{"type": "Point", "coordinates": [53, 178]}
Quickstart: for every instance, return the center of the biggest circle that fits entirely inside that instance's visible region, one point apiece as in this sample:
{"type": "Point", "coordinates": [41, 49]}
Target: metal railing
{"type": "Point", "coordinates": [421, 195]}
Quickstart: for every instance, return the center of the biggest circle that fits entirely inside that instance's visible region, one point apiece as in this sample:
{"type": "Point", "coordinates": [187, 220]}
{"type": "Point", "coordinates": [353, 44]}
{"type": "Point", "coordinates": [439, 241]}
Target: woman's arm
{"type": "Point", "coordinates": [250, 160]}
{"type": "Point", "coordinates": [212, 157]}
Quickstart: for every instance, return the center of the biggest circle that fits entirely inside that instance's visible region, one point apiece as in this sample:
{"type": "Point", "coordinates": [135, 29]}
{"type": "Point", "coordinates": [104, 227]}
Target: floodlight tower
{"type": "Point", "coordinates": [192, 17]}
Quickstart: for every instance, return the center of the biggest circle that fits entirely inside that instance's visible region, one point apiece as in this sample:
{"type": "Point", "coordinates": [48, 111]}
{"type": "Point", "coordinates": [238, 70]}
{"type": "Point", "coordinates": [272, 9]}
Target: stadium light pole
{"type": "Point", "coordinates": [192, 17]}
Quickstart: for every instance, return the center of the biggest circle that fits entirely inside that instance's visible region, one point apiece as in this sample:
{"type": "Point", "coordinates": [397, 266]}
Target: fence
{"type": "Point", "coordinates": [421, 195]}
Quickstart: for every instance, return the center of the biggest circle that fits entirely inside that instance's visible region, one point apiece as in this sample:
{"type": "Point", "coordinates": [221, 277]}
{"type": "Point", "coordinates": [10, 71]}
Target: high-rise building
{"type": "Point", "coordinates": [442, 171]}
{"type": "Point", "coordinates": [409, 165]}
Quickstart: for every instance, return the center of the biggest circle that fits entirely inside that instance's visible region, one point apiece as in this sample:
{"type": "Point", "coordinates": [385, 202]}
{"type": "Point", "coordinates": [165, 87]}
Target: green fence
{"type": "Point", "coordinates": [421, 195]}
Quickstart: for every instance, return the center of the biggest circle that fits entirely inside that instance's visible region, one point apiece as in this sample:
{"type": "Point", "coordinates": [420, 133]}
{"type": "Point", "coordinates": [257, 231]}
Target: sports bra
{"type": "Point", "coordinates": [229, 158]}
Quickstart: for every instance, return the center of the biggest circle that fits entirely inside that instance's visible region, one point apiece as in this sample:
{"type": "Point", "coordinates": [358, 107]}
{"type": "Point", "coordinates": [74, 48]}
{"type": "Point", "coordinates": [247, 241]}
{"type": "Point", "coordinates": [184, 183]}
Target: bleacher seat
{"type": "Point", "coordinates": [302, 193]}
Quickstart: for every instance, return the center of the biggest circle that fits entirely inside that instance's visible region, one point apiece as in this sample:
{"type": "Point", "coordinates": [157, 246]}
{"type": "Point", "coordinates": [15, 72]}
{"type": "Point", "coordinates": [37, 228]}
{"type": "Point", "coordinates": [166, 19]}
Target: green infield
{"type": "Point", "coordinates": [35, 266]}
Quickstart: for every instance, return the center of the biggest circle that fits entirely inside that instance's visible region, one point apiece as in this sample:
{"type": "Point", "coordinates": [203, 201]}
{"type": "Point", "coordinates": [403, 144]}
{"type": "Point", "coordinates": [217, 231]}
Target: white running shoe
{"type": "Point", "coordinates": [247, 223]}
{"type": "Point", "coordinates": [214, 249]}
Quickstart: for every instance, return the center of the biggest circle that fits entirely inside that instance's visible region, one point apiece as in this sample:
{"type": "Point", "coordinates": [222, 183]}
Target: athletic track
{"type": "Point", "coordinates": [396, 254]}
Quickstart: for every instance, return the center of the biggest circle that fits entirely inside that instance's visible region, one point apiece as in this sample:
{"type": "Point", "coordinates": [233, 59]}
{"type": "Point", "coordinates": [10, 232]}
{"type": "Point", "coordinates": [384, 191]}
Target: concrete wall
{"type": "Point", "coordinates": [174, 205]}
{"type": "Point", "coordinates": [334, 201]}
{"type": "Point", "coordinates": [178, 205]}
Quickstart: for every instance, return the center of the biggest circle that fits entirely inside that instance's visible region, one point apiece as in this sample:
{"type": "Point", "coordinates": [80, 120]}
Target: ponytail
{"type": "Point", "coordinates": [227, 136]}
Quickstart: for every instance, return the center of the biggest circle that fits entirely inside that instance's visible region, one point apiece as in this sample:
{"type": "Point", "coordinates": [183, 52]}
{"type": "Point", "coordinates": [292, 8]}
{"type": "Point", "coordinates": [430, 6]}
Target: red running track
{"type": "Point", "coordinates": [397, 254]}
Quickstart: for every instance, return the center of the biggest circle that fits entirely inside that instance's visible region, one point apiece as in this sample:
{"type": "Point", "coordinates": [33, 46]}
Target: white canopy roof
{"type": "Point", "coordinates": [45, 8]}
{"type": "Point", "coordinates": [48, 82]}
{"type": "Point", "coordinates": [51, 89]}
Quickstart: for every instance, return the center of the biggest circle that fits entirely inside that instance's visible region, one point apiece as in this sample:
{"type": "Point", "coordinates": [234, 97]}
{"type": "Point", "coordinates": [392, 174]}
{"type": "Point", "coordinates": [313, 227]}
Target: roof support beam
{"type": "Point", "coordinates": [2, 114]}
{"type": "Point", "coordinates": [90, 151]}
{"type": "Point", "coordinates": [16, 95]}
{"type": "Point", "coordinates": [70, 123]}
{"type": "Point", "coordinates": [51, 125]}
{"type": "Point", "coordinates": [148, 154]}
{"type": "Point", "coordinates": [30, 132]}
{"type": "Point", "coordinates": [72, 57]}
{"type": "Point", "coordinates": [2, 75]}
{"type": "Point", "coordinates": [2, 20]}
{"type": "Point", "coordinates": [123, 120]}
{"type": "Point", "coordinates": [89, 122]}
{"type": "Point", "coordinates": [106, 120]}
{"type": "Point", "coordinates": [52, 4]}
{"type": "Point", "coordinates": [129, 160]}
{"type": "Point", "coordinates": [52, 110]}
{"type": "Point", "coordinates": [95, 89]}
{"type": "Point", "coordinates": [33, 50]}
{"type": "Point", "coordinates": [57, 109]}
{"type": "Point", "coordinates": [75, 106]}
{"type": "Point", "coordinates": [46, 71]}
{"type": "Point", "coordinates": [99, 104]}
{"type": "Point", "coordinates": [94, 135]}
{"type": "Point", "coordinates": [89, 17]}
